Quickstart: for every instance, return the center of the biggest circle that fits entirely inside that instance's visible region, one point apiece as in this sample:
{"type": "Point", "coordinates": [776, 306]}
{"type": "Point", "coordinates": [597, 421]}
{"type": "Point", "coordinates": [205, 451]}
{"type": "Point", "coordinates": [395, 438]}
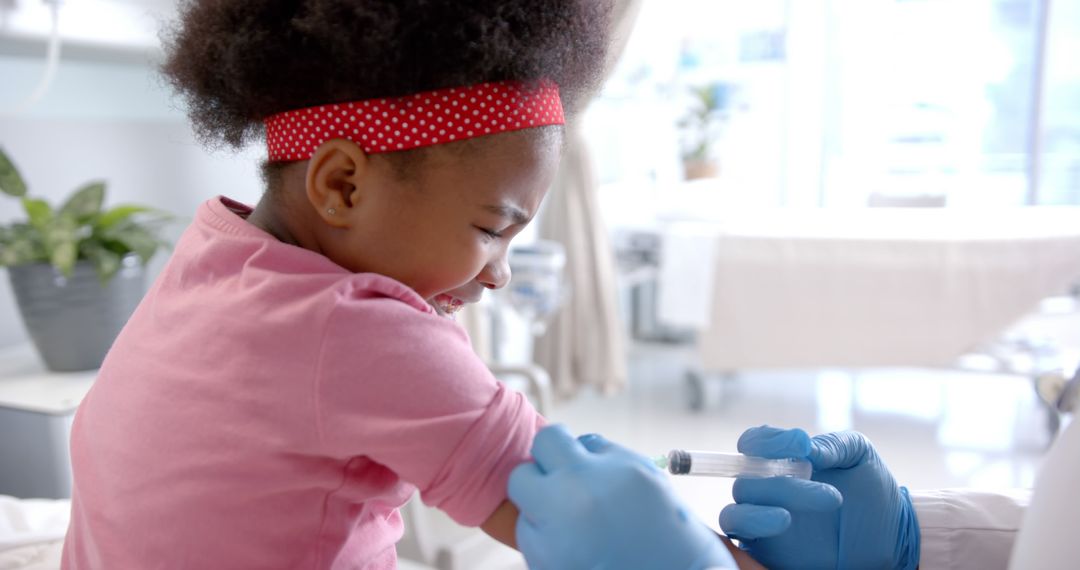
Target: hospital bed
{"type": "Point", "coordinates": [852, 289]}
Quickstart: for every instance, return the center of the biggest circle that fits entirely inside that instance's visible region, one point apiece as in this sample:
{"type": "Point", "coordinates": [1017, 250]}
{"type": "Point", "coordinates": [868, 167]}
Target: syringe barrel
{"type": "Point", "coordinates": [718, 464]}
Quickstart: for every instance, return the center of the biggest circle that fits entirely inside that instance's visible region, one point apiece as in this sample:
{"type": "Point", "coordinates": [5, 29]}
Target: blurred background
{"type": "Point", "coordinates": [828, 214]}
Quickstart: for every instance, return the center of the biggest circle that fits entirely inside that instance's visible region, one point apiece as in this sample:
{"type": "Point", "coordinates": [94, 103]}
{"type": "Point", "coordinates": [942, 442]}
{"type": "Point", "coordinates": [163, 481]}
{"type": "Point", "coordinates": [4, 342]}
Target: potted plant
{"type": "Point", "coordinates": [701, 127]}
{"type": "Point", "coordinates": [77, 271]}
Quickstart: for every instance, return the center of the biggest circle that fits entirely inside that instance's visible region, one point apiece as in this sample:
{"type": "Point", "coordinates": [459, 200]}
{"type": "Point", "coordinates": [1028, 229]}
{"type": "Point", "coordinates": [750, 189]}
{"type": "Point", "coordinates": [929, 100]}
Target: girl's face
{"type": "Point", "coordinates": [445, 229]}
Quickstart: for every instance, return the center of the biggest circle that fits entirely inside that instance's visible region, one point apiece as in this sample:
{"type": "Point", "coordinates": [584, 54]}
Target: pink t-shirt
{"type": "Point", "coordinates": [266, 408]}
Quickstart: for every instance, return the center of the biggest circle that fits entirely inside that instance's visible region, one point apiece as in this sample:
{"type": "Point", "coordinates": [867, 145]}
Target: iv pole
{"type": "Point", "coordinates": [52, 61]}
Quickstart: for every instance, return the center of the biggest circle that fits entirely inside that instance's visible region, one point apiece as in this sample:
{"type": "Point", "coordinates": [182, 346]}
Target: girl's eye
{"type": "Point", "coordinates": [490, 233]}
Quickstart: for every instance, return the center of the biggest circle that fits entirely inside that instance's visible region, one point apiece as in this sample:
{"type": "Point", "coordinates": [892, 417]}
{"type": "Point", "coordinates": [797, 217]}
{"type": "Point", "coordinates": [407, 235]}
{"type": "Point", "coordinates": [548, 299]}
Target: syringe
{"type": "Point", "coordinates": [719, 464]}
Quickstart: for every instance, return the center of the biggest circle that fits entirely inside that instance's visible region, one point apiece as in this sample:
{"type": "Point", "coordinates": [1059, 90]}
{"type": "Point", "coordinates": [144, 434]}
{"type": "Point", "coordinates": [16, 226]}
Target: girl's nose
{"type": "Point", "coordinates": [495, 274]}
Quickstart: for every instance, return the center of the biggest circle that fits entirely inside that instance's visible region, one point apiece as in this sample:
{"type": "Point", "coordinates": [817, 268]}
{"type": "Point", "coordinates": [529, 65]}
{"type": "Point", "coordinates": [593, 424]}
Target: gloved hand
{"type": "Point", "coordinates": [593, 504]}
{"type": "Point", "coordinates": [851, 515]}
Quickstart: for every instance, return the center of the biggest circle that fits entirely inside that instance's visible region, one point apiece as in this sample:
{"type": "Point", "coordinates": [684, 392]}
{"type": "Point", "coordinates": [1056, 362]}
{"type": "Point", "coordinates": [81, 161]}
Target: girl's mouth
{"type": "Point", "coordinates": [448, 305]}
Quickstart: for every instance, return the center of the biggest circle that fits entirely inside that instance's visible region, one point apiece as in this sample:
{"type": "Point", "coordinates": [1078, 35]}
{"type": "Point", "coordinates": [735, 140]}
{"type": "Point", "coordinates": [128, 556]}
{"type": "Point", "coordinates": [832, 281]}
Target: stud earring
{"type": "Point", "coordinates": [331, 211]}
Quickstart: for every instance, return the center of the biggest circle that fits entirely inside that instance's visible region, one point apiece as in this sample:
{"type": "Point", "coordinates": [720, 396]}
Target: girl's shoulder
{"type": "Point", "coordinates": [388, 308]}
{"type": "Point", "coordinates": [253, 250]}
{"type": "Point", "coordinates": [359, 288]}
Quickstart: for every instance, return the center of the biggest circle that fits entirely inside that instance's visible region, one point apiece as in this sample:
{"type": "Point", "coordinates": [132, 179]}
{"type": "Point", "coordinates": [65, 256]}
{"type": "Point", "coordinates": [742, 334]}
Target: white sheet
{"type": "Point", "coordinates": [684, 295]}
{"type": "Point", "coordinates": [876, 287]}
{"type": "Point", "coordinates": [32, 532]}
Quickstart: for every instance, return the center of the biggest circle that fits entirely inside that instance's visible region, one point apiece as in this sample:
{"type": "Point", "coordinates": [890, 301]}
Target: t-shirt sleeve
{"type": "Point", "coordinates": [404, 388]}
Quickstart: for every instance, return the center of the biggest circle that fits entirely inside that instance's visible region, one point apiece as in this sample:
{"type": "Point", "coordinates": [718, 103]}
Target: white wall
{"type": "Point", "coordinates": [98, 26]}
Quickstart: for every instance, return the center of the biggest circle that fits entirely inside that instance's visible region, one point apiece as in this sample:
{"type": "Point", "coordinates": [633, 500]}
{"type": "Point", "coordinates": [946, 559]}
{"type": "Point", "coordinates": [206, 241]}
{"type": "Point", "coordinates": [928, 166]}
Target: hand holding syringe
{"type": "Point", "coordinates": [718, 464]}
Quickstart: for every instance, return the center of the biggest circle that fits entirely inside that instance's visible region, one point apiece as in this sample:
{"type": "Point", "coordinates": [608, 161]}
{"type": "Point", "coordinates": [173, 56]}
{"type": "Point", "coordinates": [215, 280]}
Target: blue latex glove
{"type": "Point", "coordinates": [794, 523]}
{"type": "Point", "coordinates": [593, 504]}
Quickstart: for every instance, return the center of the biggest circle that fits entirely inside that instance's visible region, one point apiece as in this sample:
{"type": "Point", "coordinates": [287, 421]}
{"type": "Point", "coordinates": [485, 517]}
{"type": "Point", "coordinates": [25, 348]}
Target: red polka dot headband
{"type": "Point", "coordinates": [413, 121]}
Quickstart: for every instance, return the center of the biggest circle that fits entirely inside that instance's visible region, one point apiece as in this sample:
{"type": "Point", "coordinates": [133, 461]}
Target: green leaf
{"type": "Point", "coordinates": [10, 255]}
{"type": "Point", "coordinates": [21, 253]}
{"type": "Point", "coordinates": [119, 214]}
{"type": "Point", "coordinates": [39, 212]}
{"type": "Point", "coordinates": [106, 263]}
{"type": "Point", "coordinates": [21, 243]}
{"type": "Point", "coordinates": [63, 256]}
{"type": "Point", "coordinates": [61, 239]}
{"type": "Point", "coordinates": [86, 202]}
{"type": "Point", "coordinates": [11, 182]}
{"type": "Point", "coordinates": [135, 238]}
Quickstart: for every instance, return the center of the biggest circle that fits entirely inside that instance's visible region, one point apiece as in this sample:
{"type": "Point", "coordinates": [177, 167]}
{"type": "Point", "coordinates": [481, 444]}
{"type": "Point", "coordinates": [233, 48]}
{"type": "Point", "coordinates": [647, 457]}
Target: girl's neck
{"type": "Point", "coordinates": [268, 216]}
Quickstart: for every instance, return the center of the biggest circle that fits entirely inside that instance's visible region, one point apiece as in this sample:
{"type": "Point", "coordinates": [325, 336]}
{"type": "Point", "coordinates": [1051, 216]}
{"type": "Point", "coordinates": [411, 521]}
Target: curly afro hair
{"type": "Point", "coordinates": [237, 62]}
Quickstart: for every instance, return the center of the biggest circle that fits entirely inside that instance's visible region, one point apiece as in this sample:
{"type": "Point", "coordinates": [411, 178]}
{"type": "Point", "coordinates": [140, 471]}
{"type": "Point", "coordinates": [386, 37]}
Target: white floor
{"type": "Point", "coordinates": [934, 428]}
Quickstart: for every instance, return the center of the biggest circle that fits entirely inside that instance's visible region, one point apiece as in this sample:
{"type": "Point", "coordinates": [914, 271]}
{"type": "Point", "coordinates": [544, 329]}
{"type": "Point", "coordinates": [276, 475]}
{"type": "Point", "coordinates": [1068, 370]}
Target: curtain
{"type": "Point", "coordinates": [584, 345]}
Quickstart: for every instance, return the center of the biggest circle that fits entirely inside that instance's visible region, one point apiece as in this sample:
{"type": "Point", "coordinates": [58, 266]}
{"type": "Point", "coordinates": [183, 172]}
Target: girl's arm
{"type": "Point", "coordinates": [501, 524]}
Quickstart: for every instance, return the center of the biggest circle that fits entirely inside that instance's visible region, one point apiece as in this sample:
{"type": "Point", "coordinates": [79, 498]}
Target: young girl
{"type": "Point", "coordinates": [286, 384]}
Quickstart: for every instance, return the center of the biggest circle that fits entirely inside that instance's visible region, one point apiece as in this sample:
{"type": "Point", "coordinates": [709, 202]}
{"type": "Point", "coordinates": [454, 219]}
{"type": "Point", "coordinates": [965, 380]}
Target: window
{"type": "Point", "coordinates": [841, 103]}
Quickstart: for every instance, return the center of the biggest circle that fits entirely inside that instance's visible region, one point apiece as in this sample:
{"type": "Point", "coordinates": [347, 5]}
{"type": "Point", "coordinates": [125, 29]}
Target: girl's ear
{"type": "Point", "coordinates": [333, 181]}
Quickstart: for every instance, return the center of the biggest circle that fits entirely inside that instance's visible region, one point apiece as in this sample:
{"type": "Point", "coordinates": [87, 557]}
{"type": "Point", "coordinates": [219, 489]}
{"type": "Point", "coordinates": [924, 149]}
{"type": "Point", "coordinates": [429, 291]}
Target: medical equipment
{"type": "Point", "coordinates": [52, 63]}
{"type": "Point", "coordinates": [537, 287]}
{"type": "Point", "coordinates": [719, 464]}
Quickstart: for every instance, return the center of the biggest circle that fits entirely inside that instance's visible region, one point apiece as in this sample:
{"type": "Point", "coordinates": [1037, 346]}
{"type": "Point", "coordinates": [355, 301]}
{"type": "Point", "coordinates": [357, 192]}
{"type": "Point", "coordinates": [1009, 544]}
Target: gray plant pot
{"type": "Point", "coordinates": [73, 321]}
